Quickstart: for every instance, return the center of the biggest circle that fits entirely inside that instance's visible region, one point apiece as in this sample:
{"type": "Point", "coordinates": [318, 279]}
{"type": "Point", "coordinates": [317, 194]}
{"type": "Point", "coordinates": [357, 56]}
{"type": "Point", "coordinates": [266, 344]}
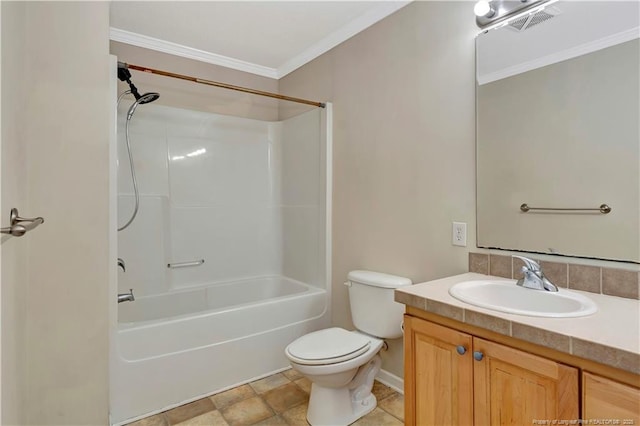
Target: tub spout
{"type": "Point", "coordinates": [126, 297]}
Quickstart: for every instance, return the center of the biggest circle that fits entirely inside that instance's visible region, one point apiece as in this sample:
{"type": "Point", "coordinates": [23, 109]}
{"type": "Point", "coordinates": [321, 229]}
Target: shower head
{"type": "Point", "coordinates": [148, 97]}
{"type": "Point", "coordinates": [141, 99]}
{"type": "Point", "coordinates": [125, 75]}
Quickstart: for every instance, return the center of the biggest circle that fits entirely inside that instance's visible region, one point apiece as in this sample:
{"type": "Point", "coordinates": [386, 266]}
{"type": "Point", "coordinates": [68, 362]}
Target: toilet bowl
{"type": "Point", "coordinates": [341, 364]}
{"type": "Point", "coordinates": [341, 374]}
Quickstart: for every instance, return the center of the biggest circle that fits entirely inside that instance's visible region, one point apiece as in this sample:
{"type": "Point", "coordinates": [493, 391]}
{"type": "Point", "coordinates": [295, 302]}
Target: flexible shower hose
{"type": "Point", "coordinates": [132, 168]}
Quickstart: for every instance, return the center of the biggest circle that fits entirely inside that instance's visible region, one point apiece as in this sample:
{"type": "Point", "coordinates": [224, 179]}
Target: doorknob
{"type": "Point", "coordinates": [18, 226]}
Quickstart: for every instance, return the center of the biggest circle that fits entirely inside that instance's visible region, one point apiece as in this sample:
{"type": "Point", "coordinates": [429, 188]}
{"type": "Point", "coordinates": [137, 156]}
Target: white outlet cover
{"type": "Point", "coordinates": [459, 234]}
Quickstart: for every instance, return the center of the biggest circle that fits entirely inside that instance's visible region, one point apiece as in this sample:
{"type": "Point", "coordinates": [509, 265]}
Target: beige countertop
{"type": "Point", "coordinates": [610, 336]}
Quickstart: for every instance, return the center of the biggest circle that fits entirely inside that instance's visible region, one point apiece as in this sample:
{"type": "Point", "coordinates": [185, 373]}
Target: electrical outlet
{"type": "Point", "coordinates": [459, 234]}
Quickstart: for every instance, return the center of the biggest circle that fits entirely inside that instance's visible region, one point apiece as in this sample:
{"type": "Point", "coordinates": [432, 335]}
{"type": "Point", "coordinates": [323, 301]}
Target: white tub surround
{"type": "Point", "coordinates": [228, 259]}
{"type": "Point", "coordinates": [247, 196]}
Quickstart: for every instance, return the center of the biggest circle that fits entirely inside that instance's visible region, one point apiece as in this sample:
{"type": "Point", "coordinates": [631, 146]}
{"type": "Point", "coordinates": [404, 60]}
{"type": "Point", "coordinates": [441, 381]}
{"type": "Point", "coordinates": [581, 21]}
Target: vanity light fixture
{"type": "Point", "coordinates": [504, 16]}
{"type": "Point", "coordinates": [484, 8]}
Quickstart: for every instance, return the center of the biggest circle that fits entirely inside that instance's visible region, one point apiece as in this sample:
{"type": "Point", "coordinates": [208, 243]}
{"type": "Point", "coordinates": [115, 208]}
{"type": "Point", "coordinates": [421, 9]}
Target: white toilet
{"type": "Point", "coordinates": [342, 364]}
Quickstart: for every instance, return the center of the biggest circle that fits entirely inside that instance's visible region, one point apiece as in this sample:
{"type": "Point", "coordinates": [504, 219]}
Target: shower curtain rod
{"type": "Point", "coordinates": [224, 85]}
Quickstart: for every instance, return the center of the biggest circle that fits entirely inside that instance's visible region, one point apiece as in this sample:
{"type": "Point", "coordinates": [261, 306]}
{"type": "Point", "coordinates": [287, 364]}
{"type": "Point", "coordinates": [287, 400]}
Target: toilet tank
{"type": "Point", "coordinates": [373, 309]}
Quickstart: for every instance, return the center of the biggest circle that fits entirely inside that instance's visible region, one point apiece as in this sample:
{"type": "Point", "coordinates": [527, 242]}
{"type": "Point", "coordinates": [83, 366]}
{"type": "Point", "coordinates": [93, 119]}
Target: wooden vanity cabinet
{"type": "Point", "coordinates": [606, 399]}
{"type": "Point", "coordinates": [453, 378]}
{"type": "Point", "coordinates": [438, 379]}
{"type": "Point", "coordinates": [512, 387]}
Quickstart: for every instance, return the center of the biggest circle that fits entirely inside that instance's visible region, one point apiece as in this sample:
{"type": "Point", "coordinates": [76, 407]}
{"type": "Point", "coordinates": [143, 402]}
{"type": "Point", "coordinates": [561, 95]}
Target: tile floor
{"type": "Point", "coordinates": [280, 399]}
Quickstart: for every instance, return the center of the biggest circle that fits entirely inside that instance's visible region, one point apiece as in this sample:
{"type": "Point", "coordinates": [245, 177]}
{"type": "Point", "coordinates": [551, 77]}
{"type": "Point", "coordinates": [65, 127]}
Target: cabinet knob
{"type": "Point", "coordinates": [461, 349]}
{"type": "Point", "coordinates": [478, 356]}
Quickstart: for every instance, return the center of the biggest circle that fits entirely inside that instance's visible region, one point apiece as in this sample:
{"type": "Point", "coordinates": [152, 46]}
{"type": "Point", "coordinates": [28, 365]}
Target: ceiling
{"type": "Point", "coordinates": [268, 38]}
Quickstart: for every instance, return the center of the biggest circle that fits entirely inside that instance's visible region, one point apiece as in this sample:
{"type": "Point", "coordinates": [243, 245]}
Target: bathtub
{"type": "Point", "coordinates": [180, 346]}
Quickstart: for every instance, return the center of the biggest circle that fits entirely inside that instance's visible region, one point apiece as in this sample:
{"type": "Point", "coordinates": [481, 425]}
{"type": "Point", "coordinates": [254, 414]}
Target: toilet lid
{"type": "Point", "coordinates": [328, 346]}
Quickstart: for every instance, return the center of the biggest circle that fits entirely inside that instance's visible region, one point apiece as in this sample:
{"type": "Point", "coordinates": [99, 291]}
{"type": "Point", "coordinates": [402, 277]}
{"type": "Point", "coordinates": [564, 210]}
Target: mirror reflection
{"type": "Point", "coordinates": [558, 112]}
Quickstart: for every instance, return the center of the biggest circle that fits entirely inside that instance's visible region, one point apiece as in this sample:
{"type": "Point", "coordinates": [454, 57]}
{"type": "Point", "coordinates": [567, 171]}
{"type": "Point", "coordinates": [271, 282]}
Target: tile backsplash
{"type": "Point", "coordinates": [595, 279]}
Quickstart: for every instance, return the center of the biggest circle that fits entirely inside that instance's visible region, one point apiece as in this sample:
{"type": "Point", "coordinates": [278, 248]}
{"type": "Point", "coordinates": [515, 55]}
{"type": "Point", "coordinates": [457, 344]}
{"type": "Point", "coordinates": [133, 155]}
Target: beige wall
{"type": "Point", "coordinates": [57, 94]}
{"type": "Point", "coordinates": [14, 178]}
{"type": "Point", "coordinates": [404, 146]}
{"type": "Point", "coordinates": [189, 95]}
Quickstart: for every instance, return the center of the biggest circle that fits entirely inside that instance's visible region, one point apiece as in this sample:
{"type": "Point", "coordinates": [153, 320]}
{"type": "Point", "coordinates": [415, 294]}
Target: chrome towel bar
{"type": "Point", "coordinates": [604, 208]}
{"type": "Point", "coordinates": [185, 264]}
{"type": "Point", "coordinates": [20, 225]}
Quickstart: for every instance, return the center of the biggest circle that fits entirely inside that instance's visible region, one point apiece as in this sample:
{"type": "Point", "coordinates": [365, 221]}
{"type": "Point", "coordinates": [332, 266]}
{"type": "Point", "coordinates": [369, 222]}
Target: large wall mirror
{"type": "Point", "coordinates": [558, 126]}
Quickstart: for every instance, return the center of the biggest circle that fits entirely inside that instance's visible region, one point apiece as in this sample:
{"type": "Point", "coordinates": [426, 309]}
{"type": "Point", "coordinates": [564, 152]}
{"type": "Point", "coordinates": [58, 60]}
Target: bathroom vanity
{"type": "Point", "coordinates": [469, 365]}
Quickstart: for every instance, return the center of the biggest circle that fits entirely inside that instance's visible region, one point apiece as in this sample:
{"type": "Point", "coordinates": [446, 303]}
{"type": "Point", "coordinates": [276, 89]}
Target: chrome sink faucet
{"type": "Point", "coordinates": [533, 276]}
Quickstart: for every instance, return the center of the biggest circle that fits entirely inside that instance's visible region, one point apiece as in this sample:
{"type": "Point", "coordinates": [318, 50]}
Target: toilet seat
{"type": "Point", "coordinates": [328, 346]}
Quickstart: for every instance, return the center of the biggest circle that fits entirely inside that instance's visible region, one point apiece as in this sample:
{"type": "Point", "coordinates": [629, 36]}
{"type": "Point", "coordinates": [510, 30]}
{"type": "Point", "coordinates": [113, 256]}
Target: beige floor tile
{"type": "Point", "coordinates": [268, 383]}
{"type": "Point", "coordinates": [188, 411]}
{"type": "Point", "coordinates": [304, 384]}
{"type": "Point", "coordinates": [393, 405]}
{"type": "Point", "coordinates": [285, 393]}
{"type": "Point", "coordinates": [226, 398]}
{"type": "Point", "coordinates": [296, 416]}
{"type": "Point", "coordinates": [272, 421]}
{"type": "Point", "coordinates": [284, 397]}
{"type": "Point", "coordinates": [378, 417]}
{"type": "Point", "coordinates": [212, 418]}
{"type": "Point", "coordinates": [157, 420]}
{"type": "Point", "coordinates": [381, 391]}
{"type": "Point", "coordinates": [291, 374]}
{"type": "Point", "coordinates": [247, 412]}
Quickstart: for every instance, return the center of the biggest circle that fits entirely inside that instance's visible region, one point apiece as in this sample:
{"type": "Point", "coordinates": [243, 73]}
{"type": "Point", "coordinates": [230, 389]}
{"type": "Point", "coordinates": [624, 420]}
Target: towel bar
{"type": "Point", "coordinates": [185, 264]}
{"type": "Point", "coordinates": [604, 208]}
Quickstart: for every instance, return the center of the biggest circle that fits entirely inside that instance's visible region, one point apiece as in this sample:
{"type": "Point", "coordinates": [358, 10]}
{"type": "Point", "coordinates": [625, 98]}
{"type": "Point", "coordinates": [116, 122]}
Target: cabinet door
{"type": "Point", "coordinates": [512, 387]}
{"type": "Point", "coordinates": [438, 379]}
{"type": "Point", "coordinates": [605, 399]}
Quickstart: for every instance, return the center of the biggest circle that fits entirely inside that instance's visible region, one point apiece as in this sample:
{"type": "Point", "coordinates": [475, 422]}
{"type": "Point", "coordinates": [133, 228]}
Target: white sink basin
{"type": "Point", "coordinates": [506, 296]}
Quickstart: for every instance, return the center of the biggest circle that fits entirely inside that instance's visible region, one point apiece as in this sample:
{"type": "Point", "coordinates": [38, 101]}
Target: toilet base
{"type": "Point", "coordinates": [333, 407]}
{"type": "Point", "coordinates": [345, 405]}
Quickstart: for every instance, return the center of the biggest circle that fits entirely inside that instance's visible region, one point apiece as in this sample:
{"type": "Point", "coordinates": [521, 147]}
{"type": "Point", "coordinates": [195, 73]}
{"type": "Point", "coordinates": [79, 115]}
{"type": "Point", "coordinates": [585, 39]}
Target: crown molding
{"type": "Point", "coordinates": [342, 34]}
{"type": "Point", "coordinates": [175, 49]}
{"type": "Point", "coordinates": [583, 49]}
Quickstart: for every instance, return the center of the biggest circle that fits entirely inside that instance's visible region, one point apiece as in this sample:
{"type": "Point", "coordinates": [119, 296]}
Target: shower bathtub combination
{"type": "Point", "coordinates": [228, 254]}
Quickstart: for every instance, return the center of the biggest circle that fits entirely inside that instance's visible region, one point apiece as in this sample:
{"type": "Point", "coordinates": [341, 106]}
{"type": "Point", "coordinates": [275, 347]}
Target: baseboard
{"type": "Point", "coordinates": [394, 382]}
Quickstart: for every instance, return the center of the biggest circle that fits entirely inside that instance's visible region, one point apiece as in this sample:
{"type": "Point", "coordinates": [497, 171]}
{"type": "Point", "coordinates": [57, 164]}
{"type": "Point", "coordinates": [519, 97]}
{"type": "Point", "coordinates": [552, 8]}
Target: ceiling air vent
{"type": "Point", "coordinates": [529, 21]}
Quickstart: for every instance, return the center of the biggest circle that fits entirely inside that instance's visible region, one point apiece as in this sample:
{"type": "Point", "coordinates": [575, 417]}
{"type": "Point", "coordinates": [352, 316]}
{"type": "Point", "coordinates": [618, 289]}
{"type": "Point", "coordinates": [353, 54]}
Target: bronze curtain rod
{"type": "Point", "coordinates": [224, 85]}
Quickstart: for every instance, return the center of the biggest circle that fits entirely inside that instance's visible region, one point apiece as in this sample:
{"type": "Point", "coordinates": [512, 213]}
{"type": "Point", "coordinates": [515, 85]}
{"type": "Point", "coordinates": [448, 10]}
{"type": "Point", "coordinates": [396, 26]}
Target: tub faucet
{"type": "Point", "coordinates": [533, 276]}
{"type": "Point", "coordinates": [126, 297]}
{"type": "Point", "coordinates": [121, 264]}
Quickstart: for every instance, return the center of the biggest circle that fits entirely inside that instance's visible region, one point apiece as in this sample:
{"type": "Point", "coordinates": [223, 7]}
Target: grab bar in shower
{"type": "Point", "coordinates": [18, 226]}
{"type": "Point", "coordinates": [185, 264]}
{"type": "Point", "coordinates": [603, 208]}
